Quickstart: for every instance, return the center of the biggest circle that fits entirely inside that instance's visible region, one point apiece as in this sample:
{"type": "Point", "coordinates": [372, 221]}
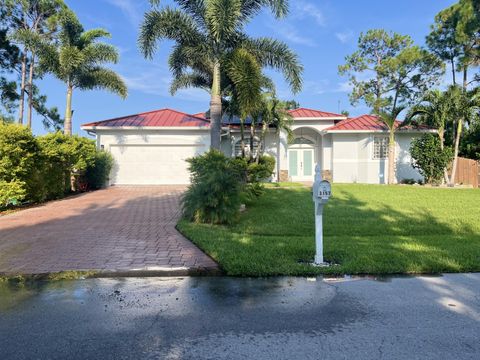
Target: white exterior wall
{"type": "Point", "coordinates": [353, 162]}
{"type": "Point", "coordinates": [173, 145]}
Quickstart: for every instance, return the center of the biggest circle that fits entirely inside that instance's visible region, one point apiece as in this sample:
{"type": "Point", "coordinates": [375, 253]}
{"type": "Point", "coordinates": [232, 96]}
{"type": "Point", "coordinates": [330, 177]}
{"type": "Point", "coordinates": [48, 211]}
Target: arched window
{"type": "Point", "coordinates": [302, 141]}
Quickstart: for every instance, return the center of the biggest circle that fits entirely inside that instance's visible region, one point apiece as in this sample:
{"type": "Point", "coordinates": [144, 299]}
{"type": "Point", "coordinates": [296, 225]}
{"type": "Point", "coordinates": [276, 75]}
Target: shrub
{"type": "Point", "coordinates": [214, 195]}
{"type": "Point", "coordinates": [11, 193]}
{"type": "Point", "coordinates": [19, 160]}
{"type": "Point", "coordinates": [97, 173]}
{"type": "Point", "coordinates": [261, 171]}
{"type": "Point", "coordinates": [64, 156]}
{"type": "Point", "coordinates": [429, 157]}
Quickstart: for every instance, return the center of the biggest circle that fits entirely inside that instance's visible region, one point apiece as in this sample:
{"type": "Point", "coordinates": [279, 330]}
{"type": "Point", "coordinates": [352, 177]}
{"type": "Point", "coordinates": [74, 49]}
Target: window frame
{"type": "Point", "coordinates": [382, 142]}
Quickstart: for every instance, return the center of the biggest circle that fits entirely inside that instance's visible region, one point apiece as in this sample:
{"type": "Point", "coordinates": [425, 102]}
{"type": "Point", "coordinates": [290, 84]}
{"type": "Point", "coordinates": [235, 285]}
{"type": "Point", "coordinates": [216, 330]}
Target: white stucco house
{"type": "Point", "coordinates": [151, 147]}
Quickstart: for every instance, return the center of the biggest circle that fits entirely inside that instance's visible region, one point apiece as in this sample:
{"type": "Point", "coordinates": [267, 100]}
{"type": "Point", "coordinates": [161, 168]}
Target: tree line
{"type": "Point", "coordinates": [392, 75]}
{"type": "Point", "coordinates": [40, 37]}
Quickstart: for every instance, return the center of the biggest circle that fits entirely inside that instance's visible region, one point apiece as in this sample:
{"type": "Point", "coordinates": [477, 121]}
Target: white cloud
{"type": "Point", "coordinates": [290, 33]}
{"type": "Point", "coordinates": [155, 80]}
{"type": "Point", "coordinates": [305, 9]}
{"type": "Point", "coordinates": [344, 87]}
{"type": "Point", "coordinates": [129, 9]}
{"type": "Point", "coordinates": [345, 36]}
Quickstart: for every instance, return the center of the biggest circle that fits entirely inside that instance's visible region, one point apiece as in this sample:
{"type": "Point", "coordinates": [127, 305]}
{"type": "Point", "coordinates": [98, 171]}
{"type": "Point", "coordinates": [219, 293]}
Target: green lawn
{"type": "Point", "coordinates": [369, 229]}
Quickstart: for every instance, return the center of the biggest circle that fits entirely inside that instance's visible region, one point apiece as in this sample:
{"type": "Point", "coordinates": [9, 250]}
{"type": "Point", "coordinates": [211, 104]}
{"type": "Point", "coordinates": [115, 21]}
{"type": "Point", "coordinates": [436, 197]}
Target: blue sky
{"type": "Point", "coordinates": [321, 32]}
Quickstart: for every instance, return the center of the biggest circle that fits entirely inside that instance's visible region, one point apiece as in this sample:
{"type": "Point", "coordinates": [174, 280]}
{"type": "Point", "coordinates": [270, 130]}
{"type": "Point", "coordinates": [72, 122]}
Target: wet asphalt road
{"type": "Point", "coordinates": [229, 318]}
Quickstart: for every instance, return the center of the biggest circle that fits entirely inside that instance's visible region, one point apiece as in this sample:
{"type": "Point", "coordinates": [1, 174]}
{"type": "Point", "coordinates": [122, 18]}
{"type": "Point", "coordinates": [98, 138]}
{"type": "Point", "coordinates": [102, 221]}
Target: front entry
{"type": "Point", "coordinates": [300, 164]}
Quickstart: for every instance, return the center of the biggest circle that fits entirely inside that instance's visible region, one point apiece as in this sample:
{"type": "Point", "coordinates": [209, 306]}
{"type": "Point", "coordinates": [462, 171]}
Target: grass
{"type": "Point", "coordinates": [368, 229]}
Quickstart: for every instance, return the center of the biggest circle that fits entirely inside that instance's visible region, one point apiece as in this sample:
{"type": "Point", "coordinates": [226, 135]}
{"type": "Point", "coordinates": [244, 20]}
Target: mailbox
{"type": "Point", "coordinates": [322, 190]}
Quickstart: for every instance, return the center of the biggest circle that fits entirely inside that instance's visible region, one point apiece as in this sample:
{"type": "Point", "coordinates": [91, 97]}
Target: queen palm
{"type": "Point", "coordinates": [77, 60]}
{"type": "Point", "coordinates": [466, 108]}
{"type": "Point", "coordinates": [389, 118]}
{"type": "Point", "coordinates": [206, 33]}
{"type": "Point", "coordinates": [274, 114]}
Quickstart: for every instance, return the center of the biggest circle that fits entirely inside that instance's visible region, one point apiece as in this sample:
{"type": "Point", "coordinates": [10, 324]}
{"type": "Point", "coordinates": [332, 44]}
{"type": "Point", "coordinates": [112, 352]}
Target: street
{"type": "Point", "coordinates": [242, 318]}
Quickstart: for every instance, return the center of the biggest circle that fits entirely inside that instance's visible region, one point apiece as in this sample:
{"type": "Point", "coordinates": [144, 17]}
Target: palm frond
{"type": "Point", "coordinates": [245, 73]}
{"type": "Point", "coordinates": [98, 53]}
{"type": "Point", "coordinates": [90, 36]}
{"type": "Point", "coordinates": [101, 78]}
{"type": "Point", "coordinates": [277, 55]}
{"type": "Point", "coordinates": [223, 18]}
{"type": "Point", "coordinates": [167, 24]}
{"type": "Point", "coordinates": [251, 8]}
{"type": "Point", "coordinates": [194, 79]}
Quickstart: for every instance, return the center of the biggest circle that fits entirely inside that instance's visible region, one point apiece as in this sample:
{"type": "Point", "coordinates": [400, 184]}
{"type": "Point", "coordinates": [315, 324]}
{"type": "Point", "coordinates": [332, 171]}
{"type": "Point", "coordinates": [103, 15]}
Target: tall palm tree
{"type": "Point", "coordinates": [435, 109]}
{"type": "Point", "coordinates": [206, 33]}
{"type": "Point", "coordinates": [466, 109]}
{"type": "Point", "coordinates": [77, 59]}
{"type": "Point", "coordinates": [389, 118]}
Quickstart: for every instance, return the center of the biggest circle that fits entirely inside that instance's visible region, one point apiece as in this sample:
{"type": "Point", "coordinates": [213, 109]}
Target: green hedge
{"type": "Point", "coordinates": [35, 169]}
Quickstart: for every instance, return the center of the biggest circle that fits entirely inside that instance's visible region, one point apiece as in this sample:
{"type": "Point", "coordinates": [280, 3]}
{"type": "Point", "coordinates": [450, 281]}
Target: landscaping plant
{"type": "Point", "coordinates": [214, 193]}
{"type": "Point", "coordinates": [430, 157]}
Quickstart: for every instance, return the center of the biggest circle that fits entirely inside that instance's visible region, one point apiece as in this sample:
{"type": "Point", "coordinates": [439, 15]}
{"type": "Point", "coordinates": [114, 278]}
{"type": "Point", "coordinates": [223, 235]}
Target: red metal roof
{"type": "Point", "coordinates": [311, 113]}
{"type": "Point", "coordinates": [156, 118]}
{"type": "Point", "coordinates": [200, 115]}
{"type": "Point", "coordinates": [370, 123]}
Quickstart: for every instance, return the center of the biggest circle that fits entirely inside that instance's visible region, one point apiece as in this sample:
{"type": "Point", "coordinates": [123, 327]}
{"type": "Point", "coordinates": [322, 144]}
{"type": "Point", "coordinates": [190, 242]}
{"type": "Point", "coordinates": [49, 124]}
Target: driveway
{"type": "Point", "coordinates": [239, 318]}
{"type": "Point", "coordinates": [120, 229]}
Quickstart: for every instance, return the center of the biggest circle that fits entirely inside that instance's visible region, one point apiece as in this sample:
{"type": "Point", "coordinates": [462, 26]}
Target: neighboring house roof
{"type": "Point", "coordinates": [314, 114]}
{"type": "Point", "coordinates": [371, 123]}
{"type": "Point", "coordinates": [156, 118]}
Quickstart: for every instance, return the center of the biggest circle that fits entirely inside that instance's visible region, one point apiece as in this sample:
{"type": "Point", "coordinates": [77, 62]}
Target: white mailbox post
{"type": "Point", "coordinates": [322, 190]}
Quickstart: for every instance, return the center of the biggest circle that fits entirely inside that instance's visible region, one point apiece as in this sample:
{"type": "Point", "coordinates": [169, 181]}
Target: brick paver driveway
{"type": "Point", "coordinates": [118, 229]}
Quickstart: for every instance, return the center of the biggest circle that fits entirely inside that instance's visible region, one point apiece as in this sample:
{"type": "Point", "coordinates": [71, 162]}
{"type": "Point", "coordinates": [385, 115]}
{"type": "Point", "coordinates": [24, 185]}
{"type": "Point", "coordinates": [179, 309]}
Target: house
{"type": "Point", "coordinates": [151, 147]}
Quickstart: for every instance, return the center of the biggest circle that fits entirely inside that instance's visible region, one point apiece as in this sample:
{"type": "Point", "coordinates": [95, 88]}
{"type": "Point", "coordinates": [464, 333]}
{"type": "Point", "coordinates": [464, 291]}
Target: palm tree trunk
{"type": "Point", "coordinates": [441, 135]}
{"type": "Point", "coordinates": [30, 91]}
{"type": "Point", "coordinates": [215, 109]}
{"type": "Point", "coordinates": [391, 157]}
{"type": "Point", "coordinates": [67, 129]}
{"type": "Point", "coordinates": [22, 87]}
{"type": "Point", "coordinates": [455, 154]}
{"type": "Point", "coordinates": [252, 138]}
{"type": "Point", "coordinates": [242, 136]}
{"type": "Point", "coordinates": [452, 61]}
{"type": "Point", "coordinates": [278, 156]}
{"type": "Point", "coordinates": [465, 77]}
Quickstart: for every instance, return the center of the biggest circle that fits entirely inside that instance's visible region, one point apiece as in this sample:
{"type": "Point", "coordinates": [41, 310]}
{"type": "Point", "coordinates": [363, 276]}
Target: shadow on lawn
{"type": "Point", "coordinates": [396, 241]}
{"type": "Point", "coordinates": [361, 237]}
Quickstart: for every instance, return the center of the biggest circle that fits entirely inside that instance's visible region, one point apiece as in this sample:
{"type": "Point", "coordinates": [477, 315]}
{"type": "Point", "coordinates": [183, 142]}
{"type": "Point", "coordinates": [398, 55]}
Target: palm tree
{"type": "Point", "coordinates": [206, 33]}
{"type": "Point", "coordinates": [33, 22]}
{"type": "Point", "coordinates": [275, 114]}
{"type": "Point", "coordinates": [466, 109]}
{"type": "Point", "coordinates": [435, 109]}
{"type": "Point", "coordinates": [389, 118]}
{"type": "Point", "coordinates": [77, 60]}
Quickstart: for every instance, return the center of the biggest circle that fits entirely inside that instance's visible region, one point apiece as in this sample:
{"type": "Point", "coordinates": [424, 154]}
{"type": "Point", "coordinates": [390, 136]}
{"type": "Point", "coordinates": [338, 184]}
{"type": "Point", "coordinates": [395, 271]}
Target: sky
{"type": "Point", "coordinates": [321, 32]}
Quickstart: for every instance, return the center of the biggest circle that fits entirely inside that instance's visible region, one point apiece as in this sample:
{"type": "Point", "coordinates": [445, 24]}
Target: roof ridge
{"type": "Point", "coordinates": [144, 113]}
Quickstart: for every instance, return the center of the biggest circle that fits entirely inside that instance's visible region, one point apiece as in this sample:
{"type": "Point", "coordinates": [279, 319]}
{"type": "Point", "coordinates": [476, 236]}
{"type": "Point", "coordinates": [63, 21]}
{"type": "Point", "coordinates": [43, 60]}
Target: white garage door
{"type": "Point", "coordinates": [152, 164]}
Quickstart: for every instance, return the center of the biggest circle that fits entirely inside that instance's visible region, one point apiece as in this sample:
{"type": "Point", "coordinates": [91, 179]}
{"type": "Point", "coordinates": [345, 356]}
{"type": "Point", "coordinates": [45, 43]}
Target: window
{"type": "Point", "coordinates": [380, 147]}
{"type": "Point", "coordinates": [238, 146]}
{"type": "Point", "coordinates": [302, 141]}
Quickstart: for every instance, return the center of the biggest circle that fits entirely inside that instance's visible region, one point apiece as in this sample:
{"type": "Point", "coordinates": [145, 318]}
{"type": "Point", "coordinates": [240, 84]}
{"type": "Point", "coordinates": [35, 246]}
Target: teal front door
{"type": "Point", "coordinates": [300, 164]}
